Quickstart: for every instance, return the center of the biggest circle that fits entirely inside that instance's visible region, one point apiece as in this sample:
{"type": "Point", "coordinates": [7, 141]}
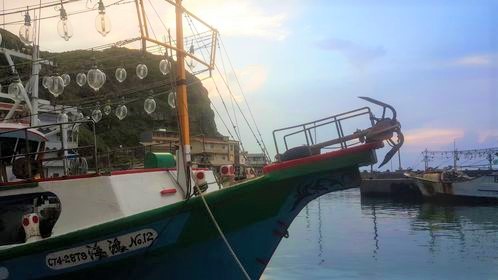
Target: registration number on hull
{"type": "Point", "coordinates": [102, 249]}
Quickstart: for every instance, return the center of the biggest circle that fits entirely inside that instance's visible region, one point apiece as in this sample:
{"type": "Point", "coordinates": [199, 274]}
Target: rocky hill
{"type": "Point", "coordinates": [111, 130]}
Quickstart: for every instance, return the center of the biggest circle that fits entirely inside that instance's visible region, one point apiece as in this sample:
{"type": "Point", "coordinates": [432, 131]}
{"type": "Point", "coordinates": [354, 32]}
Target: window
{"type": "Point", "coordinates": [224, 157]}
{"type": "Point", "coordinates": [7, 146]}
{"type": "Point", "coordinates": [224, 147]}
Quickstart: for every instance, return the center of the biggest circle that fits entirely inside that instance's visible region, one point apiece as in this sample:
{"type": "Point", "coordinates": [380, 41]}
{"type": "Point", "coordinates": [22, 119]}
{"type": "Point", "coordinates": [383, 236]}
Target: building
{"type": "Point", "coordinates": [257, 161]}
{"type": "Point", "coordinates": [206, 151]}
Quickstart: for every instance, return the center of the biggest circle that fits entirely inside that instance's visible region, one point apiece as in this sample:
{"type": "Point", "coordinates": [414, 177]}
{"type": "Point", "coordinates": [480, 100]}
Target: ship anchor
{"type": "Point", "coordinates": [384, 129]}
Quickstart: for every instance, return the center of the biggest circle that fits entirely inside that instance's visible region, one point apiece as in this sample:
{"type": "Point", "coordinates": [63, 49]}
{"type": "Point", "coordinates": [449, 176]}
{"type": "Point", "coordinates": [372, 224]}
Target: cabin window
{"type": "Point", "coordinates": [7, 146]}
{"type": "Point", "coordinates": [21, 147]}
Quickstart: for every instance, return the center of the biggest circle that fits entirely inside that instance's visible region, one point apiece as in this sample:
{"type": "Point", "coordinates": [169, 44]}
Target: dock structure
{"type": "Point", "coordinates": [388, 184]}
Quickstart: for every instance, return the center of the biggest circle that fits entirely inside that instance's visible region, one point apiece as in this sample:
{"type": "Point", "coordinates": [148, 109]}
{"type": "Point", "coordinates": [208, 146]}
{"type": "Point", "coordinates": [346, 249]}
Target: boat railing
{"type": "Point", "coordinates": [75, 160]}
{"type": "Point", "coordinates": [307, 132]}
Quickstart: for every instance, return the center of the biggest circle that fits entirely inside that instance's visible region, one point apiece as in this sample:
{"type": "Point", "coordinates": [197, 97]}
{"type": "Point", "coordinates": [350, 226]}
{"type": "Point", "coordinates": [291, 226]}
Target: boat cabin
{"type": "Point", "coordinates": [21, 152]}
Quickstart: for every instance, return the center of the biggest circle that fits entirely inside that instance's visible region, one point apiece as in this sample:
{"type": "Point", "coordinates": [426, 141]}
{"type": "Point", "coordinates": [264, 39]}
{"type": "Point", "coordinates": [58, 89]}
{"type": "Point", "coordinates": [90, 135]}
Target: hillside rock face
{"type": "Point", "coordinates": [133, 91]}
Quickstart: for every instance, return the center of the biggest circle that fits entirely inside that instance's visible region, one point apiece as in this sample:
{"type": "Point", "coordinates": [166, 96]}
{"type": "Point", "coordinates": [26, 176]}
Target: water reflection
{"type": "Point", "coordinates": [346, 236]}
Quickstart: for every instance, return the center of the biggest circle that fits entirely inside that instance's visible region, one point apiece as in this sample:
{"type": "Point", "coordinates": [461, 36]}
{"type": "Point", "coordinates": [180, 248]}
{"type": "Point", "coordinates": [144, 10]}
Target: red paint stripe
{"type": "Point", "coordinates": [168, 191]}
{"type": "Point", "coordinates": [47, 180]}
{"type": "Point", "coordinates": [72, 177]}
{"type": "Point", "coordinates": [334, 154]}
{"type": "Point", "coordinates": [133, 171]}
{"type": "Point", "coordinates": [144, 170]}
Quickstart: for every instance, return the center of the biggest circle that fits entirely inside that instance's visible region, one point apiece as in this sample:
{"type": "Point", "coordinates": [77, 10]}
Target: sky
{"type": "Point", "coordinates": [436, 62]}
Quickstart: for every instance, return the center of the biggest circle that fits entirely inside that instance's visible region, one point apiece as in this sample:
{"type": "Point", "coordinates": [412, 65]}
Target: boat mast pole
{"type": "Point", "coordinates": [181, 85]}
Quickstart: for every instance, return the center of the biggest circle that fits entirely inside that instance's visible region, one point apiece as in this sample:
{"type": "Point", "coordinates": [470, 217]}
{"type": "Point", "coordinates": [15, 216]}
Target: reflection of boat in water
{"type": "Point", "coordinates": [457, 185]}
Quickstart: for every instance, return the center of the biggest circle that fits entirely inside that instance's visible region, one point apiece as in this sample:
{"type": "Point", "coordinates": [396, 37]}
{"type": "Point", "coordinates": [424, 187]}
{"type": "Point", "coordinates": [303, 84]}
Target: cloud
{"type": "Point", "coordinates": [476, 60]}
{"type": "Point", "coordinates": [251, 77]}
{"type": "Point", "coordinates": [359, 56]}
{"type": "Point", "coordinates": [487, 135]}
{"type": "Point", "coordinates": [431, 137]}
{"type": "Point", "coordinates": [244, 18]}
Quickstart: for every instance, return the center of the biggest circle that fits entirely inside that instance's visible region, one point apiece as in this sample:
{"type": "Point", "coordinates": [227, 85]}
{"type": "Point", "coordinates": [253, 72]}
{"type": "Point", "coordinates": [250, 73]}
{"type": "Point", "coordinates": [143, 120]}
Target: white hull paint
{"type": "Point", "coordinates": [485, 186]}
{"type": "Point", "coordinates": [91, 201]}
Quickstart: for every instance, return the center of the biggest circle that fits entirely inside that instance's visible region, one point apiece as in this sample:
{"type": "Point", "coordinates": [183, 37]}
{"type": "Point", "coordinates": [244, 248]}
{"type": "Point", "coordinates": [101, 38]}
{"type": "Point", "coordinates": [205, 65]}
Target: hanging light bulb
{"type": "Point", "coordinates": [46, 81]}
{"type": "Point", "coordinates": [120, 74]}
{"type": "Point", "coordinates": [172, 99]}
{"type": "Point", "coordinates": [121, 111]}
{"type": "Point", "coordinates": [97, 114]}
{"type": "Point", "coordinates": [191, 62]}
{"type": "Point", "coordinates": [102, 21]}
{"type": "Point", "coordinates": [15, 90]}
{"type": "Point", "coordinates": [81, 79]}
{"type": "Point", "coordinates": [95, 78]}
{"type": "Point", "coordinates": [62, 117]}
{"type": "Point", "coordinates": [107, 109]}
{"type": "Point", "coordinates": [64, 27]}
{"type": "Point", "coordinates": [57, 86]}
{"type": "Point", "coordinates": [66, 79]}
{"type": "Point", "coordinates": [150, 105]}
{"type": "Point", "coordinates": [165, 66]}
{"type": "Point", "coordinates": [142, 71]}
{"type": "Point", "coordinates": [25, 32]}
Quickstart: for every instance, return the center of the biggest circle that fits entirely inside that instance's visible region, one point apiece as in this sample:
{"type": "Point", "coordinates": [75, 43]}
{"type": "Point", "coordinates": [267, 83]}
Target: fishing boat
{"type": "Point", "coordinates": [173, 222]}
{"type": "Point", "coordinates": [457, 185]}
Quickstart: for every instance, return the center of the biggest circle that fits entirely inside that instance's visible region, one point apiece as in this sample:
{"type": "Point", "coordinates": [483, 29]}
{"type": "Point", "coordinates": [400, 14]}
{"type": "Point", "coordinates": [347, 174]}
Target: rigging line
{"type": "Point", "coordinates": [232, 99]}
{"type": "Point", "coordinates": [222, 235]}
{"type": "Point", "coordinates": [219, 94]}
{"type": "Point", "coordinates": [107, 57]}
{"type": "Point", "coordinates": [85, 101]}
{"type": "Point", "coordinates": [226, 108]}
{"type": "Point", "coordinates": [242, 113]}
{"type": "Point", "coordinates": [237, 133]}
{"type": "Point", "coordinates": [150, 25]}
{"type": "Point", "coordinates": [65, 106]}
{"type": "Point", "coordinates": [243, 95]}
{"type": "Point", "coordinates": [224, 124]}
{"type": "Point", "coordinates": [39, 31]}
{"type": "Point", "coordinates": [46, 5]}
{"type": "Point", "coordinates": [157, 14]}
{"type": "Point", "coordinates": [69, 13]}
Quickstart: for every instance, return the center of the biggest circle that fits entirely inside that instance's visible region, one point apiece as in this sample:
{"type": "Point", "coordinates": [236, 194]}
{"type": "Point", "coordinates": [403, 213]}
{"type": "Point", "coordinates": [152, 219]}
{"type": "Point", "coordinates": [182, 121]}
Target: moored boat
{"type": "Point", "coordinates": [457, 185]}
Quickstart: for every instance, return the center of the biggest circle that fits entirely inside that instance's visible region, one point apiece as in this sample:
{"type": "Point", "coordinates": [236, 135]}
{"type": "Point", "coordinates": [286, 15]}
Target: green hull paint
{"type": "Point", "coordinates": [235, 209]}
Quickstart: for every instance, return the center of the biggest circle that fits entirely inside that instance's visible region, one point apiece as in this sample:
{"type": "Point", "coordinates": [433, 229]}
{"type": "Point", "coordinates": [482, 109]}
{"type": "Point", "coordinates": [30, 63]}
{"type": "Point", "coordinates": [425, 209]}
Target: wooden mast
{"type": "Point", "coordinates": [181, 85]}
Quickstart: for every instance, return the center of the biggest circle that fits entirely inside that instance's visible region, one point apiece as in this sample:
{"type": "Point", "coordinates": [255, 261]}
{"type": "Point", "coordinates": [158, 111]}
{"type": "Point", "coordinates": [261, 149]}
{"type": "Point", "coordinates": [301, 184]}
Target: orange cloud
{"type": "Point", "coordinates": [431, 137]}
{"type": "Point", "coordinates": [486, 135]}
{"type": "Point", "coordinates": [475, 60]}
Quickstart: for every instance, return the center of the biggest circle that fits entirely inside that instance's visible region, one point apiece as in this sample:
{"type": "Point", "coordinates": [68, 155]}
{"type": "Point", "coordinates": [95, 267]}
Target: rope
{"type": "Point", "coordinates": [225, 240]}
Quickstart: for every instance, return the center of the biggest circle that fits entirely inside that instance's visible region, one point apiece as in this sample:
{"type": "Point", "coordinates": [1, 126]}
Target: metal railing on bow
{"type": "Point", "coordinates": [306, 133]}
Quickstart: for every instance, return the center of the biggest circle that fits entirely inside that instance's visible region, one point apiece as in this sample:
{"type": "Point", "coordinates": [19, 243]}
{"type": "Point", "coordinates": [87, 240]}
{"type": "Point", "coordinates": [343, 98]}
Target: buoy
{"type": "Point", "coordinates": [227, 171]}
{"type": "Point", "coordinates": [200, 178]}
{"type": "Point", "coordinates": [31, 225]}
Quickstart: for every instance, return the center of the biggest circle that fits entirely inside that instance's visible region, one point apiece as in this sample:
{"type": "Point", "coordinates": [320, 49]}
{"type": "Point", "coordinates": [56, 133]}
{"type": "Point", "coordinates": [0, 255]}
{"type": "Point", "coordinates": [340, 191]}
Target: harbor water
{"type": "Point", "coordinates": [344, 236]}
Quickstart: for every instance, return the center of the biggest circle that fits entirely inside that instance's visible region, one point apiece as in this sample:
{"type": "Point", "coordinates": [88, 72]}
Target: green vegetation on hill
{"type": "Point", "coordinates": [111, 131]}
